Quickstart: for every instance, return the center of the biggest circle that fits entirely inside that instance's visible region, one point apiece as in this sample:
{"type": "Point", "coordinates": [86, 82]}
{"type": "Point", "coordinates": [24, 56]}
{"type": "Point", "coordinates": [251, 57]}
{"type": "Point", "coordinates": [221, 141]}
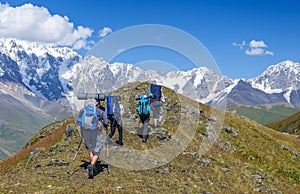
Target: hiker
{"type": "Point", "coordinates": [92, 119]}
{"type": "Point", "coordinates": [157, 104]}
{"type": "Point", "coordinates": [115, 111]}
{"type": "Point", "coordinates": [143, 110]}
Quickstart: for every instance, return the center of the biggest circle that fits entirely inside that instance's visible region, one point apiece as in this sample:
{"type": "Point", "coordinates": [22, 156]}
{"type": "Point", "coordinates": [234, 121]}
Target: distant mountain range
{"type": "Point", "coordinates": [46, 74]}
{"type": "Point", "coordinates": [278, 84]}
{"type": "Point", "coordinates": [47, 71]}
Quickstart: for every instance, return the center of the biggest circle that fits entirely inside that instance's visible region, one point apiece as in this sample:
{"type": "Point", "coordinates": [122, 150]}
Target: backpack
{"type": "Point", "coordinates": [143, 108]}
{"type": "Point", "coordinates": [113, 106]}
{"type": "Point", "coordinates": [89, 118]}
{"type": "Point", "coordinates": [156, 91]}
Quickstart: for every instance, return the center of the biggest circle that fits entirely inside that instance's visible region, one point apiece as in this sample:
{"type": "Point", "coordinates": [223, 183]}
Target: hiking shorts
{"type": "Point", "coordinates": [93, 140]}
{"type": "Point", "coordinates": [157, 109]}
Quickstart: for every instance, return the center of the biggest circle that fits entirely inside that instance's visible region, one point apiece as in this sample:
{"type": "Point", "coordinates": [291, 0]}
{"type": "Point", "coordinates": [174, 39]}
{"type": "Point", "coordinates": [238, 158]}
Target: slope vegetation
{"type": "Point", "coordinates": [289, 125]}
{"type": "Point", "coordinates": [246, 157]}
{"type": "Point", "coordinates": [264, 114]}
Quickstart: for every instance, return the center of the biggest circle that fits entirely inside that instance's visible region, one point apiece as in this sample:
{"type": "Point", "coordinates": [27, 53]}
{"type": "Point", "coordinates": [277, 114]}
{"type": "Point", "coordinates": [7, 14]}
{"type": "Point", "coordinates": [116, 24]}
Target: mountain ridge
{"type": "Point", "coordinates": [246, 157]}
{"type": "Point", "coordinates": [48, 70]}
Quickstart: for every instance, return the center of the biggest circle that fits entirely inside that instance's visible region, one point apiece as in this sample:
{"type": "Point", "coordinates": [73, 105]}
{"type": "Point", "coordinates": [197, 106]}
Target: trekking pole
{"type": "Point", "coordinates": [77, 150]}
{"type": "Point", "coordinates": [107, 136]}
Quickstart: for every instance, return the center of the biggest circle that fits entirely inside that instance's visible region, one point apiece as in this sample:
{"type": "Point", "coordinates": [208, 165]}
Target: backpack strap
{"type": "Point", "coordinates": [83, 119]}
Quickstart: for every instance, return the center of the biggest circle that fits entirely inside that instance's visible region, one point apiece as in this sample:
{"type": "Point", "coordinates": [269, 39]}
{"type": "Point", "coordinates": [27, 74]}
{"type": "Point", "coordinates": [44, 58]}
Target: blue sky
{"type": "Point", "coordinates": [244, 37]}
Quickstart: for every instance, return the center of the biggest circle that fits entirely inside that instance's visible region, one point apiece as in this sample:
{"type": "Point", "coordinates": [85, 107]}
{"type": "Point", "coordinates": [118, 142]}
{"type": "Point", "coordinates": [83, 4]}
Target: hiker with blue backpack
{"type": "Point", "coordinates": [114, 113]}
{"type": "Point", "coordinates": [92, 119]}
{"type": "Point", "coordinates": [157, 104]}
{"type": "Point", "coordinates": [143, 110]}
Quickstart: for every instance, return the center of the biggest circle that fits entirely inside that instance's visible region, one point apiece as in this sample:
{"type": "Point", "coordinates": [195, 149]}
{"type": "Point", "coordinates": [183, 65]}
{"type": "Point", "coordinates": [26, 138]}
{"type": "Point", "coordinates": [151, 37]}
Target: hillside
{"type": "Point", "coordinates": [288, 125]}
{"type": "Point", "coordinates": [246, 158]}
{"type": "Point", "coordinates": [264, 114]}
{"type": "Point", "coordinates": [23, 114]}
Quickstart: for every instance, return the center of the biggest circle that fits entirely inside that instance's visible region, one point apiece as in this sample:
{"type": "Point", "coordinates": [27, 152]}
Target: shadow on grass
{"type": "Point", "coordinates": [99, 167]}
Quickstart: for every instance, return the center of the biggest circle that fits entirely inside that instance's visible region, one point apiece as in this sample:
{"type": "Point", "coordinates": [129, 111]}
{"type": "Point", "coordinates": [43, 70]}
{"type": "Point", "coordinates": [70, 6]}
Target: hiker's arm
{"type": "Point", "coordinates": [121, 109]}
{"type": "Point", "coordinates": [162, 98]}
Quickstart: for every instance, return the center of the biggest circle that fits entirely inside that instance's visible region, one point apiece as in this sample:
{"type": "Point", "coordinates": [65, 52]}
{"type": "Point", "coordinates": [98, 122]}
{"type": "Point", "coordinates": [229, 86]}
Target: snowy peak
{"type": "Point", "coordinates": [53, 72]}
{"type": "Point", "coordinates": [199, 83]}
{"type": "Point", "coordinates": [37, 66]}
{"type": "Point", "coordinates": [282, 77]}
{"type": "Point", "coordinates": [11, 46]}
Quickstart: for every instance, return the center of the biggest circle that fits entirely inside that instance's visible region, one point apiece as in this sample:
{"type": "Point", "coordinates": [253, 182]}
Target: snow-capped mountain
{"type": "Point", "coordinates": [279, 83]}
{"type": "Point", "coordinates": [37, 66]}
{"type": "Point", "coordinates": [281, 78]}
{"type": "Point", "coordinates": [53, 73]}
{"type": "Point", "coordinates": [95, 73]}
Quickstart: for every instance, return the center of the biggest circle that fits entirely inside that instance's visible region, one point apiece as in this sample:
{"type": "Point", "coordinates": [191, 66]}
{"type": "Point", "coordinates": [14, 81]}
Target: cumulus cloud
{"type": "Point", "coordinates": [255, 51]}
{"type": "Point", "coordinates": [241, 45]}
{"type": "Point", "coordinates": [257, 44]}
{"type": "Point", "coordinates": [34, 23]}
{"type": "Point", "coordinates": [104, 31]}
{"type": "Point", "coordinates": [254, 48]}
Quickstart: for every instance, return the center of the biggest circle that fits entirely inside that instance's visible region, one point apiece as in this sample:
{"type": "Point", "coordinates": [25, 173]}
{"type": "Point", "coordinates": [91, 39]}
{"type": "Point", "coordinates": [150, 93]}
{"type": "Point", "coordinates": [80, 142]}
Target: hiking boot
{"type": "Point", "coordinates": [120, 144]}
{"type": "Point", "coordinates": [90, 171]}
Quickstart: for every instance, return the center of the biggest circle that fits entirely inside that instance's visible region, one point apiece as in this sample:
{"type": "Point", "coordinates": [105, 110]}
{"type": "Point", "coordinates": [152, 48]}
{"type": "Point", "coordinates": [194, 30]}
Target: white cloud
{"type": "Point", "coordinates": [255, 51]}
{"type": "Point", "coordinates": [241, 45]}
{"type": "Point", "coordinates": [34, 23]}
{"type": "Point", "coordinates": [269, 53]}
{"type": "Point", "coordinates": [104, 31]}
{"type": "Point", "coordinates": [79, 44]}
{"type": "Point", "coordinates": [258, 51]}
{"type": "Point", "coordinates": [254, 48]}
{"type": "Point", "coordinates": [257, 44]}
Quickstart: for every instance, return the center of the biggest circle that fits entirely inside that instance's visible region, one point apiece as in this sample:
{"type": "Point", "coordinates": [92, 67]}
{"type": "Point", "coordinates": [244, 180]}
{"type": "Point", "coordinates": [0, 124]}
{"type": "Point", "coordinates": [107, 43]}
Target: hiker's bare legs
{"type": "Point", "coordinates": [155, 122]}
{"type": "Point", "coordinates": [93, 158]}
{"type": "Point", "coordinates": [160, 120]}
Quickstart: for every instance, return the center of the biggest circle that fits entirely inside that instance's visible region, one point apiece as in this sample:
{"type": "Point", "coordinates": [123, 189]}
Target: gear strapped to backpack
{"type": "Point", "coordinates": [156, 91]}
{"type": "Point", "coordinates": [144, 106]}
{"type": "Point", "coordinates": [89, 118]}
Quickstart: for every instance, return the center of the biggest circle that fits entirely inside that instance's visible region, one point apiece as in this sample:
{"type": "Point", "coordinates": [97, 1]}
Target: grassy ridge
{"type": "Point", "coordinates": [264, 114]}
{"type": "Point", "coordinates": [252, 160]}
{"type": "Point", "coordinates": [36, 142]}
{"type": "Point", "coordinates": [288, 125]}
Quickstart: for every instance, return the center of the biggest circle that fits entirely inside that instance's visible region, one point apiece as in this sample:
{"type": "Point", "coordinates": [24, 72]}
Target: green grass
{"type": "Point", "coordinates": [264, 114]}
{"type": "Point", "coordinates": [289, 125]}
{"type": "Point", "coordinates": [255, 162]}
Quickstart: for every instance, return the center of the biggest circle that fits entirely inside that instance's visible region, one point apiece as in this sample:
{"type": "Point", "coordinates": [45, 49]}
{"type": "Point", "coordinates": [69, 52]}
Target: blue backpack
{"type": "Point", "coordinates": [143, 108]}
{"type": "Point", "coordinates": [89, 118]}
{"type": "Point", "coordinates": [113, 106]}
{"type": "Point", "coordinates": [156, 91]}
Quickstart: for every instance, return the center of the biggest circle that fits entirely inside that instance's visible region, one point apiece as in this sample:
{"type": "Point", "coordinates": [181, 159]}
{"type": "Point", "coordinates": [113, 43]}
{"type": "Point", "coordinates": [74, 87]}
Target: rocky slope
{"type": "Point", "coordinates": [246, 157]}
